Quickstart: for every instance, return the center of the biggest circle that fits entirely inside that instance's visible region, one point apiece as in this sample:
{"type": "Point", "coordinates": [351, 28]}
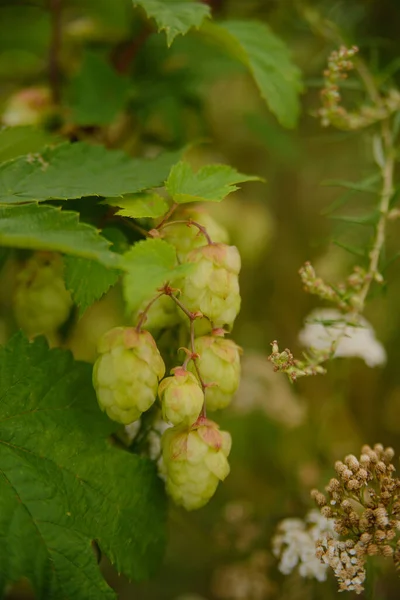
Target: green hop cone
{"type": "Point", "coordinates": [194, 461]}
{"type": "Point", "coordinates": [41, 302]}
{"type": "Point", "coordinates": [219, 363]}
{"type": "Point", "coordinates": [212, 286]}
{"type": "Point", "coordinates": [127, 372]}
{"type": "Point", "coordinates": [181, 397]}
{"type": "Point", "coordinates": [187, 238]}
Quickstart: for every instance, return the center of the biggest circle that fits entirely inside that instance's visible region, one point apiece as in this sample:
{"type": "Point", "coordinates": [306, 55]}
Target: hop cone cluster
{"type": "Point", "coordinates": [218, 363]}
{"type": "Point", "coordinates": [212, 287]}
{"type": "Point", "coordinates": [41, 302]}
{"type": "Point", "coordinates": [195, 460]}
{"type": "Point", "coordinates": [127, 372]}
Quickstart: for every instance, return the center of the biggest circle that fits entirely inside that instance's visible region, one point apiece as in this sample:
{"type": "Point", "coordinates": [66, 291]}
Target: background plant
{"type": "Point", "coordinates": [104, 82]}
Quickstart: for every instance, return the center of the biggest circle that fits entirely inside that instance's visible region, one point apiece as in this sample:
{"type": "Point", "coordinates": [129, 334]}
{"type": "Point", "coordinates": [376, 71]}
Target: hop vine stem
{"type": "Point", "coordinates": [55, 7]}
{"type": "Point", "coordinates": [192, 317]}
{"type": "Point", "coordinates": [188, 223]}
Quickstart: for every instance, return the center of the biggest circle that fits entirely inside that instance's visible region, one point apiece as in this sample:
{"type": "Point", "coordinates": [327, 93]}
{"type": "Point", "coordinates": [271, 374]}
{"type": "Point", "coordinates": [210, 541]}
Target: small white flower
{"type": "Point", "coordinates": [352, 340]}
{"type": "Point", "coordinates": [295, 545]}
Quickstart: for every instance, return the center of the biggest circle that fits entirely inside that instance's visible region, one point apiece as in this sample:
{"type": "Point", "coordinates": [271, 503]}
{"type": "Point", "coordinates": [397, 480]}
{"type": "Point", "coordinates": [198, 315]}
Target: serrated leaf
{"type": "Point", "coordinates": [88, 280]}
{"type": "Point", "coordinates": [138, 206]}
{"type": "Point", "coordinates": [149, 264]}
{"type": "Point", "coordinates": [175, 17]}
{"type": "Point", "coordinates": [98, 92]}
{"type": "Point", "coordinates": [80, 169]}
{"type": "Point", "coordinates": [62, 484]}
{"type": "Point", "coordinates": [16, 141]}
{"type": "Point", "coordinates": [43, 227]}
{"type": "Point", "coordinates": [211, 183]}
{"type": "Point", "coordinates": [268, 59]}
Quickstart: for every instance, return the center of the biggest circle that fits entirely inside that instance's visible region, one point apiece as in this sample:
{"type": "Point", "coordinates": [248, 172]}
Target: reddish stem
{"type": "Point", "coordinates": [189, 223]}
{"type": "Point", "coordinates": [143, 315]}
{"type": "Point", "coordinates": [172, 209]}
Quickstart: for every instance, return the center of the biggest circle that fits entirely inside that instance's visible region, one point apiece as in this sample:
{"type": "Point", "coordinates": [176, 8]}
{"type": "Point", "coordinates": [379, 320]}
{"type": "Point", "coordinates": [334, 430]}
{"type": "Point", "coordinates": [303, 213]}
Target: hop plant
{"type": "Point", "coordinates": [219, 363]}
{"type": "Point", "coordinates": [127, 372]}
{"type": "Point", "coordinates": [194, 461]}
{"type": "Point", "coordinates": [41, 302]}
{"type": "Point", "coordinates": [186, 239]}
{"type": "Point", "coordinates": [181, 397]}
{"type": "Point", "coordinates": [212, 286]}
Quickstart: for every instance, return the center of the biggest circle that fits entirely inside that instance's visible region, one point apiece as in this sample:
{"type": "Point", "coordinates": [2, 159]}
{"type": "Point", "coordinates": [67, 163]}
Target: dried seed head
{"type": "Point", "coordinates": [346, 506]}
{"type": "Point", "coordinates": [319, 498]}
{"type": "Point", "coordinates": [380, 467]}
{"type": "Point", "coordinates": [352, 462]}
{"type": "Point", "coordinates": [372, 549]}
{"type": "Point", "coordinates": [388, 455]}
{"type": "Point", "coordinates": [380, 535]}
{"type": "Point", "coordinates": [340, 467]}
{"type": "Point", "coordinates": [381, 517]}
{"type": "Point", "coordinates": [387, 551]}
{"type": "Point", "coordinates": [334, 485]}
{"type": "Point", "coordinates": [365, 538]}
{"type": "Point", "coordinates": [327, 512]}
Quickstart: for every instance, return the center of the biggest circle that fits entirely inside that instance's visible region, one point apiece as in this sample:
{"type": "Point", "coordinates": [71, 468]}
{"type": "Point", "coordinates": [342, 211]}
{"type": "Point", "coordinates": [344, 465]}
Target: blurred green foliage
{"type": "Point", "coordinates": [116, 72]}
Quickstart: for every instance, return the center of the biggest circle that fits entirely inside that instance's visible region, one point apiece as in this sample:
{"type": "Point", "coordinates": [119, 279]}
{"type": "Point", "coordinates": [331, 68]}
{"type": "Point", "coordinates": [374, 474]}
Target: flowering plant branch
{"type": "Point", "coordinates": [349, 297]}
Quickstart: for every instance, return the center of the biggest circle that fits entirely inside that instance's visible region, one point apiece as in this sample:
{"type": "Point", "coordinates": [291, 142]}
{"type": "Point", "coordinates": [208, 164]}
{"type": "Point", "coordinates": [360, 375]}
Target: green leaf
{"type": "Point", "coordinates": [175, 17]}
{"type": "Point", "coordinates": [98, 92]}
{"type": "Point", "coordinates": [150, 264]}
{"type": "Point", "coordinates": [43, 227]}
{"type": "Point", "coordinates": [140, 205]}
{"type": "Point", "coordinates": [211, 183]}
{"type": "Point", "coordinates": [269, 61]}
{"type": "Point", "coordinates": [15, 141]}
{"type": "Point", "coordinates": [80, 169]}
{"type": "Point", "coordinates": [89, 280]}
{"type": "Point", "coordinates": [62, 484]}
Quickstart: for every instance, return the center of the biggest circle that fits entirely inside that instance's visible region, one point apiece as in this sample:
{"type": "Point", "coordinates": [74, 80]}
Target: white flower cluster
{"type": "Point", "coordinates": [295, 545]}
{"type": "Point", "coordinates": [352, 340]}
{"type": "Point", "coordinates": [346, 560]}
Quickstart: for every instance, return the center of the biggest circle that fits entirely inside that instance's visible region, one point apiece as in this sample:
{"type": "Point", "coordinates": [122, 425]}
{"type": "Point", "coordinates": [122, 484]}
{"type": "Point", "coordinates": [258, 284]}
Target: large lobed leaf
{"type": "Point", "coordinates": [15, 141]}
{"type": "Point", "coordinates": [137, 206]}
{"type": "Point", "coordinates": [211, 183]}
{"type": "Point", "coordinates": [62, 484]}
{"type": "Point", "coordinates": [80, 169]}
{"type": "Point", "coordinates": [43, 227]}
{"type": "Point", "coordinates": [269, 61]}
{"type": "Point", "coordinates": [175, 17]}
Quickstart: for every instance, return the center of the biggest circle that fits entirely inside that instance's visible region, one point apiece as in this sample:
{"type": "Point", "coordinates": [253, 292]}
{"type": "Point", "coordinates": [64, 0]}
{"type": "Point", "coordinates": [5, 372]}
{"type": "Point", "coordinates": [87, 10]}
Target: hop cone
{"type": "Point", "coordinates": [41, 302]}
{"type": "Point", "coordinates": [219, 363]}
{"type": "Point", "coordinates": [181, 397]}
{"type": "Point", "coordinates": [127, 372]}
{"type": "Point", "coordinates": [195, 460]}
{"type": "Point", "coordinates": [186, 239]}
{"type": "Point", "coordinates": [212, 287]}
